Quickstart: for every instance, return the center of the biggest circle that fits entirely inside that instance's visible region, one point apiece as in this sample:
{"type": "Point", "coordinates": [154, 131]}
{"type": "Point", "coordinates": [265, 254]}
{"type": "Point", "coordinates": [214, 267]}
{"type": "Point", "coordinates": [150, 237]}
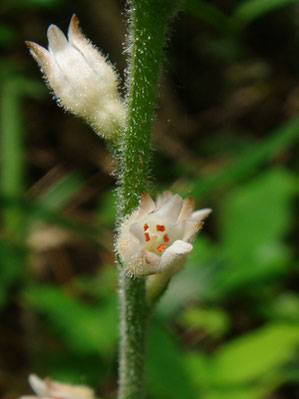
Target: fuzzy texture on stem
{"type": "Point", "coordinates": [147, 31]}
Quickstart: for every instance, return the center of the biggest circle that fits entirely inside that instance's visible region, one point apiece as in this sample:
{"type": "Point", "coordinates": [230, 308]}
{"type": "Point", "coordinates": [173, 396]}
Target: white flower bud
{"type": "Point", "coordinates": [81, 78]}
{"type": "Point", "coordinates": [157, 236]}
{"type": "Point", "coordinates": [48, 389]}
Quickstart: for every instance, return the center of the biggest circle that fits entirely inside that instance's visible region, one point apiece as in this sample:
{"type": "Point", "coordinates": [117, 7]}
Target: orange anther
{"type": "Point", "coordinates": [165, 238]}
{"type": "Point", "coordinates": [161, 247]}
{"type": "Point", "coordinates": [145, 227]}
{"type": "Point", "coordinates": [160, 227]}
{"type": "Point", "coordinates": [147, 236]}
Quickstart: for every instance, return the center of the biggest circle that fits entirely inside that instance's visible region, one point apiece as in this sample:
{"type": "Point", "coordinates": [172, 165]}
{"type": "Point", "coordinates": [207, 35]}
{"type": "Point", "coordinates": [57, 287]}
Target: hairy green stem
{"type": "Point", "coordinates": [147, 31]}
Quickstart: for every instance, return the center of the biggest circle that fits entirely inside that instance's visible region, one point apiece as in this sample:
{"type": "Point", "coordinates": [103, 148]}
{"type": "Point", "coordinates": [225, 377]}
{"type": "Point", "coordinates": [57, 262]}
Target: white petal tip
{"type": "Point", "coordinates": [74, 20]}
{"type": "Point", "coordinates": [181, 247]}
{"type": "Point", "coordinates": [56, 38]}
{"type": "Point", "coordinates": [74, 28]}
{"type": "Point", "coordinates": [201, 214]}
{"type": "Point", "coordinates": [37, 384]}
{"type": "Point", "coordinates": [39, 53]}
{"type": "Point", "coordinates": [146, 204]}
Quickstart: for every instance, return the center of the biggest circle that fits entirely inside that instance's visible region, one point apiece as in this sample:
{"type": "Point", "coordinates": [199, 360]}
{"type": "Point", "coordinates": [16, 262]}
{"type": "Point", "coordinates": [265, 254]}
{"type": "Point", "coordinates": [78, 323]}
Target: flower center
{"type": "Point", "coordinates": [156, 237]}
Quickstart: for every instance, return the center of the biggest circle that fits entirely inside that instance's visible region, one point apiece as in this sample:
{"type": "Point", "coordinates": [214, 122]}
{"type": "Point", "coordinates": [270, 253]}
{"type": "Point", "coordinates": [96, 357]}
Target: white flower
{"type": "Point", "coordinates": [48, 389]}
{"type": "Point", "coordinates": [81, 78]}
{"type": "Point", "coordinates": [157, 236]}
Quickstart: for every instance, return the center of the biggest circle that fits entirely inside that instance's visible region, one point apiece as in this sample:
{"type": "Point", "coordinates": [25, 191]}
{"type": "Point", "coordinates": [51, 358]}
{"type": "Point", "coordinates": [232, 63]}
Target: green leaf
{"type": "Point", "coordinates": [254, 219]}
{"type": "Point", "coordinates": [248, 367]}
{"type": "Point", "coordinates": [248, 162]}
{"type": "Point", "coordinates": [258, 213]}
{"type": "Point", "coordinates": [214, 321]}
{"type": "Point", "coordinates": [83, 327]}
{"type": "Point", "coordinates": [283, 308]}
{"type": "Point", "coordinates": [201, 370]}
{"type": "Point", "coordinates": [61, 191]}
{"type": "Point", "coordinates": [250, 10]}
{"type": "Point", "coordinates": [248, 392]}
{"type": "Point", "coordinates": [256, 355]}
{"type": "Point", "coordinates": [168, 378]}
{"type": "Point", "coordinates": [208, 13]}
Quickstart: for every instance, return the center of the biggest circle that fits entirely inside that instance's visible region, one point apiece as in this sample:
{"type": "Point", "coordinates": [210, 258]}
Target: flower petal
{"type": "Point", "coordinates": [176, 231]}
{"type": "Point", "coordinates": [201, 214]}
{"type": "Point", "coordinates": [170, 210]}
{"type": "Point", "coordinates": [44, 59]}
{"type": "Point", "coordinates": [69, 59]}
{"type": "Point", "coordinates": [190, 229]}
{"type": "Point", "coordinates": [137, 231]}
{"type": "Point", "coordinates": [166, 195]}
{"type": "Point", "coordinates": [188, 206]}
{"type": "Point", "coordinates": [175, 254]}
{"type": "Point", "coordinates": [151, 260]}
{"type": "Point", "coordinates": [158, 201]}
{"type": "Point", "coordinates": [67, 391]}
{"type": "Point", "coordinates": [146, 206]}
{"type": "Point", "coordinates": [38, 385]}
{"type": "Point", "coordinates": [127, 244]}
{"type": "Point", "coordinates": [92, 55]}
{"type": "Point", "coordinates": [143, 263]}
{"type": "Point", "coordinates": [56, 38]}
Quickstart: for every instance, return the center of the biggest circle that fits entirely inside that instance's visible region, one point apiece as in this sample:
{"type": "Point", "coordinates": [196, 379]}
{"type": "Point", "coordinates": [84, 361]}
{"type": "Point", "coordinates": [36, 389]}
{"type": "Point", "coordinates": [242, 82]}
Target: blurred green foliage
{"type": "Point", "coordinates": [227, 133]}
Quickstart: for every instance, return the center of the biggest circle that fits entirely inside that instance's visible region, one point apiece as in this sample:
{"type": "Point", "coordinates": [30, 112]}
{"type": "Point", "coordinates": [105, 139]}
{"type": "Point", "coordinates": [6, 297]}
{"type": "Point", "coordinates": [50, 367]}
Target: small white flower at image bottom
{"type": "Point", "coordinates": [82, 79]}
{"type": "Point", "coordinates": [158, 235]}
{"type": "Point", "coordinates": [49, 389]}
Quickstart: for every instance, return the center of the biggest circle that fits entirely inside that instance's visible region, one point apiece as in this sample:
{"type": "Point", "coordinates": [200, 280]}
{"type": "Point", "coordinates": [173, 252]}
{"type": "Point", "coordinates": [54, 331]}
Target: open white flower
{"type": "Point", "coordinates": [157, 236]}
{"type": "Point", "coordinates": [82, 80]}
{"type": "Point", "coordinates": [48, 389]}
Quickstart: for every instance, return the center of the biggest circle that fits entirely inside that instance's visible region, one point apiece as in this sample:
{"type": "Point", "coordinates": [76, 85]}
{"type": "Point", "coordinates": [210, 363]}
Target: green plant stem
{"type": "Point", "coordinates": [147, 31]}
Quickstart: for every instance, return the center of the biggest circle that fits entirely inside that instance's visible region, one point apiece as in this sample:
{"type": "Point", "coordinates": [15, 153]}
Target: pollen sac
{"type": "Point", "coordinates": [161, 247]}
{"type": "Point", "coordinates": [81, 78]}
{"type": "Point", "coordinates": [158, 234]}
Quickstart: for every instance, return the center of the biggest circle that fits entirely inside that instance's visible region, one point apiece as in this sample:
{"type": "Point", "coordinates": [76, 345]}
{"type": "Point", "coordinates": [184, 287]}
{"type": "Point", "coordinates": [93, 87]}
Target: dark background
{"type": "Point", "coordinates": [227, 133]}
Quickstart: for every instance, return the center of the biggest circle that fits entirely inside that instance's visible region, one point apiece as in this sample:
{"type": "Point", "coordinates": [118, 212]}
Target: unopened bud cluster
{"type": "Point", "coordinates": [82, 80]}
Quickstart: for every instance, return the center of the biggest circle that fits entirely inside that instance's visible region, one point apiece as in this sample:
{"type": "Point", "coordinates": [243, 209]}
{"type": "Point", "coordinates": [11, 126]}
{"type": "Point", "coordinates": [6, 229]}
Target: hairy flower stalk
{"type": "Point", "coordinates": [147, 32]}
{"type": "Point", "coordinates": [49, 389]}
{"type": "Point", "coordinates": [81, 78]}
{"type": "Point", "coordinates": [157, 236]}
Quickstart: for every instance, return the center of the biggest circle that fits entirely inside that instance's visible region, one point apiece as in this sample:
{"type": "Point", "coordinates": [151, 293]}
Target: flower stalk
{"type": "Point", "coordinates": [147, 32]}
